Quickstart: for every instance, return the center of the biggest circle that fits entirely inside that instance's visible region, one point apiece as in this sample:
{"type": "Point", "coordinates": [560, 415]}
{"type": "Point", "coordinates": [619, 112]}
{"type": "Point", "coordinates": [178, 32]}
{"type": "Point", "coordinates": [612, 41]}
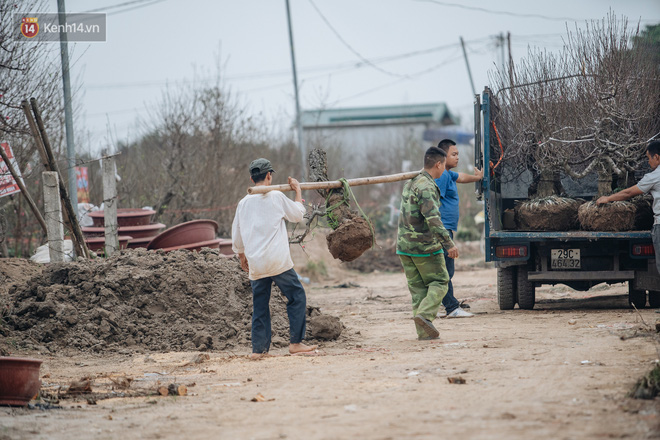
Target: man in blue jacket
{"type": "Point", "coordinates": [449, 214]}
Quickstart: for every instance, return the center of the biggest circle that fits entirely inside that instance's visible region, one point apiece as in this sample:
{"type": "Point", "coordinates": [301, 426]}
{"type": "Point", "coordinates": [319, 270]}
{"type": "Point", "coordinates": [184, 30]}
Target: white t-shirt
{"type": "Point", "coordinates": [259, 232]}
{"type": "Point", "coordinates": [651, 182]}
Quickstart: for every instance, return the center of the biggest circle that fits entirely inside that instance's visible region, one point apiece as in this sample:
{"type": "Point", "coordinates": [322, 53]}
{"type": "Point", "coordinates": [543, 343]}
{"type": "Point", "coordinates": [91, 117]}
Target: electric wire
{"type": "Point", "coordinates": [140, 4]}
{"type": "Point", "coordinates": [345, 43]}
{"type": "Point", "coordinates": [513, 14]}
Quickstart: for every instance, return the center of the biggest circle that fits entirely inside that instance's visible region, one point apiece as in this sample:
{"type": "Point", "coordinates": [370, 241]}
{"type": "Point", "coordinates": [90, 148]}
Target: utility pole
{"type": "Point", "coordinates": [68, 111]}
{"type": "Point", "coordinates": [500, 40]}
{"type": "Point", "coordinates": [467, 64]}
{"type": "Point", "coordinates": [301, 145]}
{"type": "Point", "coordinates": [508, 42]}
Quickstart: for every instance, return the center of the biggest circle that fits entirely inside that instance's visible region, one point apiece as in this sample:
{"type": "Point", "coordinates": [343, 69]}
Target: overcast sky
{"type": "Point", "coordinates": [349, 53]}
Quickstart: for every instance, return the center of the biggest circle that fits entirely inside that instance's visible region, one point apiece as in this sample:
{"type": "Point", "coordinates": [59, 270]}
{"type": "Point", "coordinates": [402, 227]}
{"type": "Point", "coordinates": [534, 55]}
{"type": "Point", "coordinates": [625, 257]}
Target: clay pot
{"type": "Point", "coordinates": [192, 232]}
{"type": "Point", "coordinates": [125, 217]}
{"type": "Point", "coordinates": [213, 244]}
{"type": "Point", "coordinates": [98, 243]}
{"type": "Point", "coordinates": [225, 246]}
{"type": "Point", "coordinates": [139, 242]}
{"type": "Point", "coordinates": [19, 380]}
{"type": "Point", "coordinates": [141, 231]}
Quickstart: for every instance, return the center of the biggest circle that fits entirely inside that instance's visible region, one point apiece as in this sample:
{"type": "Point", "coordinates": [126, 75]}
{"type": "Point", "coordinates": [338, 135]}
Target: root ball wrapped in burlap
{"type": "Point", "coordinates": [551, 213]}
{"type": "Point", "coordinates": [643, 212]}
{"type": "Point", "coordinates": [351, 239]}
{"type": "Point", "coordinates": [614, 216]}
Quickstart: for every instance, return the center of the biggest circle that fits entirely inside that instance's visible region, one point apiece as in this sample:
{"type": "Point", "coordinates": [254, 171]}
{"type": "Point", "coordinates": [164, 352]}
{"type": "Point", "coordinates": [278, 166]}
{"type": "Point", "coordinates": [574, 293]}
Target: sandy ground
{"type": "Point", "coordinates": [561, 371]}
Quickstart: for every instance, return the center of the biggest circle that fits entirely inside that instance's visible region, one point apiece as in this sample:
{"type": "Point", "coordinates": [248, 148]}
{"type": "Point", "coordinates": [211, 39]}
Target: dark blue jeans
{"type": "Point", "coordinates": [449, 301]}
{"type": "Point", "coordinates": [296, 308]}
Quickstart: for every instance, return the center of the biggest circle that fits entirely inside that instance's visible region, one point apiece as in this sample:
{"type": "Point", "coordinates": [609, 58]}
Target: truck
{"type": "Point", "coordinates": [526, 259]}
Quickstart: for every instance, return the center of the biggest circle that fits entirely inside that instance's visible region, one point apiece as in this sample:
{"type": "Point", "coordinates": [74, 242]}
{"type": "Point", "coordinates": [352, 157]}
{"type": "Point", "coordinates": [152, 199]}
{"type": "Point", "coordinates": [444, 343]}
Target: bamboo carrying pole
{"type": "Point", "coordinates": [335, 183]}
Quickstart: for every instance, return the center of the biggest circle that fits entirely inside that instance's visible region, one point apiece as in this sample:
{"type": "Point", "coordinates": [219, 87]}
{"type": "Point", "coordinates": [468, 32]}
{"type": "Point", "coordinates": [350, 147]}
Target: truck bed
{"type": "Point", "coordinates": [570, 235]}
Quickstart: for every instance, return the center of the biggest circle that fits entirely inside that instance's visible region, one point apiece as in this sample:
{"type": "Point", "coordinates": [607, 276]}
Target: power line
{"type": "Point", "coordinates": [345, 43]}
{"type": "Point", "coordinates": [139, 3]}
{"type": "Point", "coordinates": [119, 5]}
{"type": "Point", "coordinates": [511, 14]}
{"type": "Point", "coordinates": [346, 65]}
{"type": "Point", "coordinates": [135, 7]}
{"type": "Point", "coordinates": [383, 86]}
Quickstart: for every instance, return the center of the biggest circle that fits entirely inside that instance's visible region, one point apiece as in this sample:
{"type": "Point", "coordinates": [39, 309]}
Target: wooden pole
{"type": "Point", "coordinates": [71, 218]}
{"type": "Point", "coordinates": [35, 134]}
{"type": "Point", "coordinates": [335, 183]}
{"type": "Point", "coordinates": [24, 190]}
{"type": "Point", "coordinates": [110, 206]}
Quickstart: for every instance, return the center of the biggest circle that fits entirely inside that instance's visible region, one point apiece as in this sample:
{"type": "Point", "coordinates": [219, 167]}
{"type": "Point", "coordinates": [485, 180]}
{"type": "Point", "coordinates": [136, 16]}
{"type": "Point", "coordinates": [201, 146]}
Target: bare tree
{"type": "Point", "coordinates": [591, 108]}
{"type": "Point", "coordinates": [193, 161]}
{"type": "Point", "coordinates": [27, 69]}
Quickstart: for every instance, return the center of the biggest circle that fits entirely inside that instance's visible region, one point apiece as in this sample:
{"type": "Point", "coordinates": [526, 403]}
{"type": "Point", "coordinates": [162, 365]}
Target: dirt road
{"type": "Point", "coordinates": [561, 371]}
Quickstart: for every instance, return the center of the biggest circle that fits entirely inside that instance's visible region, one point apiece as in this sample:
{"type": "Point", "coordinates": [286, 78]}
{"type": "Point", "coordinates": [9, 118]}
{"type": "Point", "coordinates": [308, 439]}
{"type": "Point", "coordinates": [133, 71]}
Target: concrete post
{"type": "Point", "coordinates": [110, 206]}
{"type": "Point", "coordinates": [53, 211]}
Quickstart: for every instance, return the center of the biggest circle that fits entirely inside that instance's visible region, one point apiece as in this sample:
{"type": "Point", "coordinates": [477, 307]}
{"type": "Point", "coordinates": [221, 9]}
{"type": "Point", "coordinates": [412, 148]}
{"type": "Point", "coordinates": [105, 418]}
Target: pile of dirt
{"type": "Point", "coordinates": [381, 257]}
{"type": "Point", "coordinates": [614, 216]}
{"type": "Point", "coordinates": [351, 239]}
{"type": "Point", "coordinates": [140, 300]}
{"type": "Point", "coordinates": [551, 213]}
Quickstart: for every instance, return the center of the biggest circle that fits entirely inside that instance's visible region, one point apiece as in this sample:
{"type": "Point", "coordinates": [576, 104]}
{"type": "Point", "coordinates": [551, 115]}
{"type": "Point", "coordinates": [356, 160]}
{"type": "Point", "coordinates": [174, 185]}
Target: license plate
{"type": "Point", "coordinates": [565, 258]}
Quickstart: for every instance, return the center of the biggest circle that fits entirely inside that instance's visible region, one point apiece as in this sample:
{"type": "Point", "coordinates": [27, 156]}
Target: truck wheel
{"type": "Point", "coordinates": [506, 287]}
{"type": "Point", "coordinates": [526, 290]}
{"type": "Point", "coordinates": [654, 299]}
{"type": "Point", "coordinates": [636, 297]}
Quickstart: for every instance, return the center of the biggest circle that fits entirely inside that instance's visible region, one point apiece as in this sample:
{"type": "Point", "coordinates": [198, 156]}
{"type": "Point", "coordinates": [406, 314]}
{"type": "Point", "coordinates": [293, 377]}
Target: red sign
{"type": "Point", "coordinates": [7, 183]}
{"type": "Point", "coordinates": [29, 27]}
{"type": "Point", "coordinates": [82, 184]}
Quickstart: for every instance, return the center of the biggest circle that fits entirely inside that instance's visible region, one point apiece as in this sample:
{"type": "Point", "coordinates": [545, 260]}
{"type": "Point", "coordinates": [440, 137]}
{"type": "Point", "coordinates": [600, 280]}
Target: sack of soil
{"type": "Point", "coordinates": [614, 216]}
{"type": "Point", "coordinates": [551, 213]}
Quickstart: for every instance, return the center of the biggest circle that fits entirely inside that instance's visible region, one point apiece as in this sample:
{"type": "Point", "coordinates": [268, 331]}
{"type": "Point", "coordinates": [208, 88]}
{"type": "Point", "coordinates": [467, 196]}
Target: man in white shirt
{"type": "Point", "coordinates": [649, 183]}
{"type": "Point", "coordinates": [260, 239]}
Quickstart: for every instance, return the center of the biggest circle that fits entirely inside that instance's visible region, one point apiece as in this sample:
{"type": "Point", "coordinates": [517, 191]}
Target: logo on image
{"type": "Point", "coordinates": [29, 27]}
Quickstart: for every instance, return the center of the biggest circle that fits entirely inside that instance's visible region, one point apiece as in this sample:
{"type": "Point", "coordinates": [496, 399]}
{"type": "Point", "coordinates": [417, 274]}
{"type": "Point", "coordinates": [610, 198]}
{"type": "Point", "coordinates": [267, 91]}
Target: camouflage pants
{"type": "Point", "coordinates": [427, 281]}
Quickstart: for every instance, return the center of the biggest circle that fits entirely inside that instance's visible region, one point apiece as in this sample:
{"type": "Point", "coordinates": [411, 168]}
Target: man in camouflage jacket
{"type": "Point", "coordinates": [422, 239]}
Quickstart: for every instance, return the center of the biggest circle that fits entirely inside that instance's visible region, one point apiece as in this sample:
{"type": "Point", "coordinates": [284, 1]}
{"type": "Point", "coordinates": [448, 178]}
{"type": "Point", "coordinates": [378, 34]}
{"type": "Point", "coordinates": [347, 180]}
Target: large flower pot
{"type": "Point", "coordinates": [139, 242]}
{"type": "Point", "coordinates": [125, 217]}
{"type": "Point", "coordinates": [195, 231]}
{"type": "Point", "coordinates": [19, 380]}
{"type": "Point", "coordinates": [141, 231]}
{"type": "Point", "coordinates": [97, 244]}
{"type": "Point", "coordinates": [212, 244]}
{"type": "Point", "coordinates": [225, 246]}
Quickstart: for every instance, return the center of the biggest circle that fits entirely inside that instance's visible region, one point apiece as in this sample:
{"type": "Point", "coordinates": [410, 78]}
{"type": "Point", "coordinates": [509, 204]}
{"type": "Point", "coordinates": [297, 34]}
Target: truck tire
{"type": "Point", "coordinates": [506, 287]}
{"type": "Point", "coordinates": [636, 297]}
{"type": "Point", "coordinates": [654, 299]}
{"type": "Point", "coordinates": [526, 290]}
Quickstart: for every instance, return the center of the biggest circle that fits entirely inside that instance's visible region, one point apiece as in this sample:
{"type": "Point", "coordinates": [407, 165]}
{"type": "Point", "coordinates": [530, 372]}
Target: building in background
{"type": "Point", "coordinates": [356, 138]}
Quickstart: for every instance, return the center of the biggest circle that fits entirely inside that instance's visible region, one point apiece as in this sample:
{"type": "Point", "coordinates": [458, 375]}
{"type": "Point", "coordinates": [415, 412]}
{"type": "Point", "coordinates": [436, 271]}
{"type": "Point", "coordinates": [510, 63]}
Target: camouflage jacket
{"type": "Point", "coordinates": [421, 232]}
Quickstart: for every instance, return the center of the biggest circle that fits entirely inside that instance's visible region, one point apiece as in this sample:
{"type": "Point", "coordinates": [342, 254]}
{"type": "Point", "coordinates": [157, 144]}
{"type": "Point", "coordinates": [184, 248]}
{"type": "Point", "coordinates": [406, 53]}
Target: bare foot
{"type": "Point", "coordinates": [257, 356]}
{"type": "Point", "coordinates": [301, 348]}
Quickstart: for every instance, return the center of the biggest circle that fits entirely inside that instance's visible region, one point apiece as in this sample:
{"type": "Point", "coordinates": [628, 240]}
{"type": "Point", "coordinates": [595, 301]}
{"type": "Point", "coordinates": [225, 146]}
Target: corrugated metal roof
{"type": "Point", "coordinates": [383, 115]}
